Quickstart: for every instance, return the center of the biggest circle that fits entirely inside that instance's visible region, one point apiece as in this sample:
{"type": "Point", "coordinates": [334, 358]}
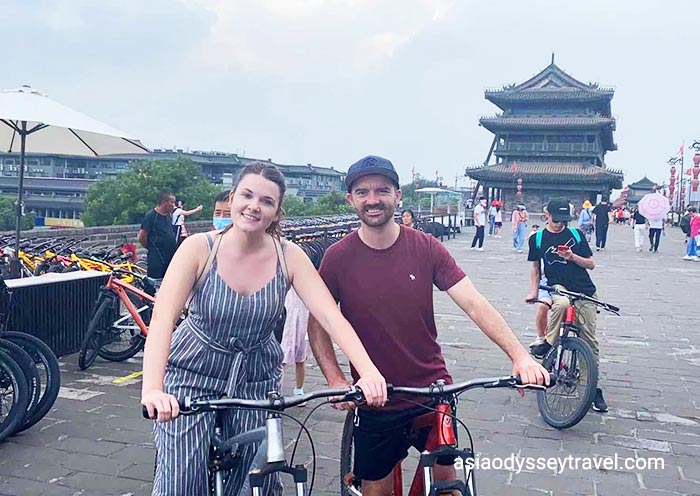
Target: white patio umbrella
{"type": "Point", "coordinates": [54, 128]}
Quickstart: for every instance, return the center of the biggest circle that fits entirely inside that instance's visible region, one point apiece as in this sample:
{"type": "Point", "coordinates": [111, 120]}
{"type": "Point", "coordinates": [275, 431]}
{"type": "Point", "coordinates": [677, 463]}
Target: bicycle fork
{"type": "Point", "coordinates": [275, 460]}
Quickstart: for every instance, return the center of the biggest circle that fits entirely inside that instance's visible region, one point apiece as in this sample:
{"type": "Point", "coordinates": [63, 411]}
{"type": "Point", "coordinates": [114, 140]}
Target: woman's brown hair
{"type": "Point", "coordinates": [271, 173]}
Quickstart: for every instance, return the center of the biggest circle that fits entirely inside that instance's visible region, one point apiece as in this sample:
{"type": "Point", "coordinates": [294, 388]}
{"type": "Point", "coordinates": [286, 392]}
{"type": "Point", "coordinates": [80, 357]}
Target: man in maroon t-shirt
{"type": "Point", "coordinates": [383, 275]}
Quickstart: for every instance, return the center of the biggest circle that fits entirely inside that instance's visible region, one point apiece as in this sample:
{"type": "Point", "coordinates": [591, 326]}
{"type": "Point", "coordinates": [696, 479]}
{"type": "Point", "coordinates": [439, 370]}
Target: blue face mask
{"type": "Point", "coordinates": [221, 222]}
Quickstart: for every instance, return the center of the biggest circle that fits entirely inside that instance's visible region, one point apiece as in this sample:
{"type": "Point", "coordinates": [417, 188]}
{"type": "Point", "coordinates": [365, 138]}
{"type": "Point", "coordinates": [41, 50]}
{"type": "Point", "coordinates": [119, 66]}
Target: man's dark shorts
{"type": "Point", "coordinates": [382, 439]}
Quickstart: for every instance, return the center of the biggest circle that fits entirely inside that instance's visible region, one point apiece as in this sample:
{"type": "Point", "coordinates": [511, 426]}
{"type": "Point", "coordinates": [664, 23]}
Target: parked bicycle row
{"type": "Point", "coordinates": [38, 256]}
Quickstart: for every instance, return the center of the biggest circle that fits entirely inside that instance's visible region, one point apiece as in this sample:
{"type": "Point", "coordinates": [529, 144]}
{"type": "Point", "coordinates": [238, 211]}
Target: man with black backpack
{"type": "Point", "coordinates": [685, 223]}
{"type": "Point", "coordinates": [566, 257]}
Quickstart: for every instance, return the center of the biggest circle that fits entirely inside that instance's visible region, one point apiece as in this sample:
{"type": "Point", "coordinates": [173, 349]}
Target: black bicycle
{"type": "Point", "coordinates": [573, 364]}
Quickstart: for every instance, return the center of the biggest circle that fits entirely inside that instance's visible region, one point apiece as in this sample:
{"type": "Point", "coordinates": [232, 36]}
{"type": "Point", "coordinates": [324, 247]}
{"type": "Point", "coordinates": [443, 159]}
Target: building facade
{"type": "Point", "coordinates": [549, 141]}
{"type": "Point", "coordinates": [56, 185]}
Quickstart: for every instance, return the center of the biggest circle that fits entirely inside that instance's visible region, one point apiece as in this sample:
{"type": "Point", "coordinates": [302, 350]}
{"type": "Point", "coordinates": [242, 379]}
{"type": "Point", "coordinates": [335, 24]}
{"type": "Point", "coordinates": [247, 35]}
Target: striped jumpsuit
{"type": "Point", "coordinates": [224, 346]}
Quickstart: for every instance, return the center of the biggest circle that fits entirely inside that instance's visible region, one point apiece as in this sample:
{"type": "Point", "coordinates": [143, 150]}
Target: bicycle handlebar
{"type": "Point", "coordinates": [580, 296]}
{"type": "Point", "coordinates": [275, 402]}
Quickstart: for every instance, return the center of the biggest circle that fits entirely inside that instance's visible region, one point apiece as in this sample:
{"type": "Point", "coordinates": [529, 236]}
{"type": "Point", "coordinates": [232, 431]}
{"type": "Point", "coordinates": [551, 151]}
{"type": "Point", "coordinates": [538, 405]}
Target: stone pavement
{"type": "Point", "coordinates": [94, 442]}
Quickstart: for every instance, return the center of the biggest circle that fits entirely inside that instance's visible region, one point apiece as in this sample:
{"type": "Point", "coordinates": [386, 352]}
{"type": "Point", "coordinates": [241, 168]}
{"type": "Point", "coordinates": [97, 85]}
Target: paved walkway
{"type": "Point", "coordinates": [94, 442]}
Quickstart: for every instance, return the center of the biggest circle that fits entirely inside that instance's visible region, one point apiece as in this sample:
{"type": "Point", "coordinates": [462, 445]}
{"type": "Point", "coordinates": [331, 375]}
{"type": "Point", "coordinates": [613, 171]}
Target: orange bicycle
{"type": "Point", "coordinates": [119, 326]}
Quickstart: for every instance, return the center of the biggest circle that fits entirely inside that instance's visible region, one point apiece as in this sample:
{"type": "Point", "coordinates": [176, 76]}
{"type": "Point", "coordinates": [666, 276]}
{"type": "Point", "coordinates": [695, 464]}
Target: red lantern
{"type": "Point", "coordinates": [673, 170]}
{"type": "Point", "coordinates": [672, 180]}
{"type": "Point", "coordinates": [696, 159]}
{"type": "Point", "coordinates": [520, 180]}
{"type": "Point", "coordinates": [671, 189]}
{"type": "Point", "coordinates": [694, 184]}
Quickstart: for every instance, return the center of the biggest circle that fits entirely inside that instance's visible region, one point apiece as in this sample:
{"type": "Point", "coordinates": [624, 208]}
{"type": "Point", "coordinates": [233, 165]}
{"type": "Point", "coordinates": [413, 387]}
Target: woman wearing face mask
{"type": "Point", "coordinates": [222, 212]}
{"type": "Point", "coordinates": [226, 344]}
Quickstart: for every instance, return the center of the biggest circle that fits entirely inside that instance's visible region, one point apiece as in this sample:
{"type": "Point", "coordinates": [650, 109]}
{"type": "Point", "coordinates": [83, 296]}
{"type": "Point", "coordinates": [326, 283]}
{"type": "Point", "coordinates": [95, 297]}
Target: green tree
{"type": "Point", "coordinates": [332, 203]}
{"type": "Point", "coordinates": [408, 192]}
{"type": "Point", "coordinates": [295, 206]}
{"type": "Point", "coordinates": [8, 216]}
{"type": "Point", "coordinates": [126, 197]}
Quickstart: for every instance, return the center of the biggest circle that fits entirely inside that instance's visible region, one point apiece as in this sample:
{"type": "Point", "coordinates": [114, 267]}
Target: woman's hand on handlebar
{"type": "Point", "coordinates": [373, 385]}
{"type": "Point", "coordinates": [161, 406]}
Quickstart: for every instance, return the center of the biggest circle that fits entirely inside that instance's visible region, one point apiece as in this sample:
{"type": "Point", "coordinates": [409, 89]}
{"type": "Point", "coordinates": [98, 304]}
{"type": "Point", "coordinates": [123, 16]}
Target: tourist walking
{"type": "Point", "coordinates": [492, 218]}
{"type": "Point", "coordinates": [498, 220]}
{"type": "Point", "coordinates": [601, 218]}
{"type": "Point", "coordinates": [157, 236]}
{"type": "Point", "coordinates": [519, 220]}
{"type": "Point", "coordinates": [480, 223]}
{"type": "Point", "coordinates": [656, 226]}
{"type": "Point", "coordinates": [639, 225]}
{"type": "Point", "coordinates": [693, 244]}
{"type": "Point", "coordinates": [585, 219]}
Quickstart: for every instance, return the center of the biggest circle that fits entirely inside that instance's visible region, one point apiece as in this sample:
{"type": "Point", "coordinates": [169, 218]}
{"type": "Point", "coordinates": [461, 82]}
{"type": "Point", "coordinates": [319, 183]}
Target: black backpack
{"type": "Point", "coordinates": [685, 223]}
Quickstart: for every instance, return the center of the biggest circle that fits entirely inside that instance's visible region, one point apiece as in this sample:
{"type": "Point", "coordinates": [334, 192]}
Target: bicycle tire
{"type": "Point", "coordinates": [11, 379]}
{"type": "Point", "coordinates": [31, 374]}
{"type": "Point", "coordinates": [579, 351]}
{"type": "Point", "coordinates": [136, 340]}
{"type": "Point", "coordinates": [346, 451]}
{"type": "Point", "coordinates": [41, 354]}
{"type": "Point", "coordinates": [93, 337]}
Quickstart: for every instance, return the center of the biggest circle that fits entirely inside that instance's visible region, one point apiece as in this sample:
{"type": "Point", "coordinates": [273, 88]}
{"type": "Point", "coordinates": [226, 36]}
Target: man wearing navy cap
{"type": "Point", "coordinates": [383, 275]}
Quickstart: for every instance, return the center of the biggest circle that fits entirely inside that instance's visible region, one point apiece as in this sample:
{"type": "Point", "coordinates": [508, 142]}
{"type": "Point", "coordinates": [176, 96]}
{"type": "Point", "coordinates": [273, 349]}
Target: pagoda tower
{"type": "Point", "coordinates": [549, 141]}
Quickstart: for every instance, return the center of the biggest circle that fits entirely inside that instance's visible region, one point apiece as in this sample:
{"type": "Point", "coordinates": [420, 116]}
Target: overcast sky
{"type": "Point", "coordinates": [327, 82]}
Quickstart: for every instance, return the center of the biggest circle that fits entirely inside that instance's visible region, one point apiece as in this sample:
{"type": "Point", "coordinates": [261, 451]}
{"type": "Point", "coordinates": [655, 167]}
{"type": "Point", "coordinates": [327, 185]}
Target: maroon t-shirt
{"type": "Point", "coordinates": [387, 296]}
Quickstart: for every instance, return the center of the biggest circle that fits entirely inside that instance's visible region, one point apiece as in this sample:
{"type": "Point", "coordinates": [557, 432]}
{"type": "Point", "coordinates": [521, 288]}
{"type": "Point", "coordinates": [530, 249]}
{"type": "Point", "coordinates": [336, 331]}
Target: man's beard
{"type": "Point", "coordinates": [378, 221]}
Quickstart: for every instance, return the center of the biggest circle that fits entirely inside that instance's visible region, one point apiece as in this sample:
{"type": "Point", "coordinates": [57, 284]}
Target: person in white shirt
{"type": "Point", "coordinates": [177, 219]}
{"type": "Point", "coordinates": [480, 223]}
{"type": "Point", "coordinates": [655, 228]}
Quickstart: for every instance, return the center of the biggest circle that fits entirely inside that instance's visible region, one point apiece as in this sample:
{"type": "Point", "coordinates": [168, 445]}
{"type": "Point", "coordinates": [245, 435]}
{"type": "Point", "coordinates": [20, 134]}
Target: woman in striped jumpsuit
{"type": "Point", "coordinates": [226, 345]}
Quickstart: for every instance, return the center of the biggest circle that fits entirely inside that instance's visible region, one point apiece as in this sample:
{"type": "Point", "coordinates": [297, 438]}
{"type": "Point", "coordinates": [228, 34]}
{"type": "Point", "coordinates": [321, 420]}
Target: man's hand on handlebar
{"type": "Point", "coordinates": [530, 372]}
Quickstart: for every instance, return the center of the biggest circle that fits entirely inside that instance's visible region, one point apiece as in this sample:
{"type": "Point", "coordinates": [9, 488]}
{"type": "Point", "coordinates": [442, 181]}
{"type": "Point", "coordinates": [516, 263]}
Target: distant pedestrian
{"type": "Point", "coordinates": [639, 224]}
{"type": "Point", "coordinates": [585, 219]}
{"type": "Point", "coordinates": [480, 223]}
{"type": "Point", "coordinates": [492, 218]}
{"type": "Point", "coordinates": [693, 246]}
{"type": "Point", "coordinates": [408, 219]}
{"type": "Point", "coordinates": [498, 220]}
{"type": "Point", "coordinates": [519, 220]}
{"type": "Point", "coordinates": [157, 235]}
{"type": "Point", "coordinates": [178, 219]}
{"type": "Point", "coordinates": [601, 218]}
{"type": "Point", "coordinates": [656, 227]}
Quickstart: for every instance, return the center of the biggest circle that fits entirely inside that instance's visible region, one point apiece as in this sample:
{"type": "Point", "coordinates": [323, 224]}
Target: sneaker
{"type": "Point", "coordinates": [597, 249]}
{"type": "Point", "coordinates": [539, 340]}
{"type": "Point", "coordinates": [479, 249]}
{"type": "Point", "coordinates": [599, 404]}
{"type": "Point", "coordinates": [540, 350]}
{"type": "Point", "coordinates": [473, 248]}
{"type": "Point", "coordinates": [520, 251]}
{"type": "Point", "coordinates": [651, 249]}
{"type": "Point", "coordinates": [687, 257]}
{"type": "Point", "coordinates": [299, 392]}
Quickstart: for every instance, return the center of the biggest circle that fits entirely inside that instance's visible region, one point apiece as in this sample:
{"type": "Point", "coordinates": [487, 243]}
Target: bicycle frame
{"type": "Point", "coordinates": [121, 289]}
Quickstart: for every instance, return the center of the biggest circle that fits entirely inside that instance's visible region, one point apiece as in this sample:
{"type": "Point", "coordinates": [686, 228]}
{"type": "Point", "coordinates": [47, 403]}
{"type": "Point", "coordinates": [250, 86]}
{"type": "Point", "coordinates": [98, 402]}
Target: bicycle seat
{"type": "Point", "coordinates": [150, 285]}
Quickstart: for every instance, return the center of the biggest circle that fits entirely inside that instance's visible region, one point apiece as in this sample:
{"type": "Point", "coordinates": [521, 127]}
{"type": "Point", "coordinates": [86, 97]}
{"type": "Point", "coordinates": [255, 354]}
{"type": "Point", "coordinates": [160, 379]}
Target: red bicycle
{"type": "Point", "coordinates": [119, 326]}
{"type": "Point", "coordinates": [441, 447]}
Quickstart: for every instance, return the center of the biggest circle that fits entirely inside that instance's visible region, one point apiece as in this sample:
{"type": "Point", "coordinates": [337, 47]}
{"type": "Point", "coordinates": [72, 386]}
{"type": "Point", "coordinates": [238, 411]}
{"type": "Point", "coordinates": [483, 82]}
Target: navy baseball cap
{"type": "Point", "coordinates": [371, 164]}
{"type": "Point", "coordinates": [558, 208]}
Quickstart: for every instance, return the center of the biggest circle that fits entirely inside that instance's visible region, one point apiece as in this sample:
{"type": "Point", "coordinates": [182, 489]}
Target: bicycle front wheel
{"type": "Point", "coordinates": [95, 333]}
{"type": "Point", "coordinates": [348, 485]}
{"type": "Point", "coordinates": [123, 337]}
{"type": "Point", "coordinates": [568, 401]}
{"type": "Point", "coordinates": [14, 395]}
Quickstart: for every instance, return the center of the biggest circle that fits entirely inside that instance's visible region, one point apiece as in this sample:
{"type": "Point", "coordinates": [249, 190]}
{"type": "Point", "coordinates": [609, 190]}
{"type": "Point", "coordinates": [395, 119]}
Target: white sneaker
{"type": "Point", "coordinates": [473, 248]}
{"type": "Point", "coordinates": [696, 259]}
{"type": "Point", "coordinates": [520, 251]}
{"type": "Point", "coordinates": [479, 249]}
{"type": "Point", "coordinates": [299, 392]}
{"type": "Point", "coordinates": [688, 257]}
{"type": "Point", "coordinates": [537, 341]}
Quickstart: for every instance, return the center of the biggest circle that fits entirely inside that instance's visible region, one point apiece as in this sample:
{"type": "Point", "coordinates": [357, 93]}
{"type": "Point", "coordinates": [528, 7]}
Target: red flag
{"type": "Point", "coordinates": [680, 152]}
{"type": "Point", "coordinates": [689, 172]}
{"type": "Point", "coordinates": [514, 168]}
